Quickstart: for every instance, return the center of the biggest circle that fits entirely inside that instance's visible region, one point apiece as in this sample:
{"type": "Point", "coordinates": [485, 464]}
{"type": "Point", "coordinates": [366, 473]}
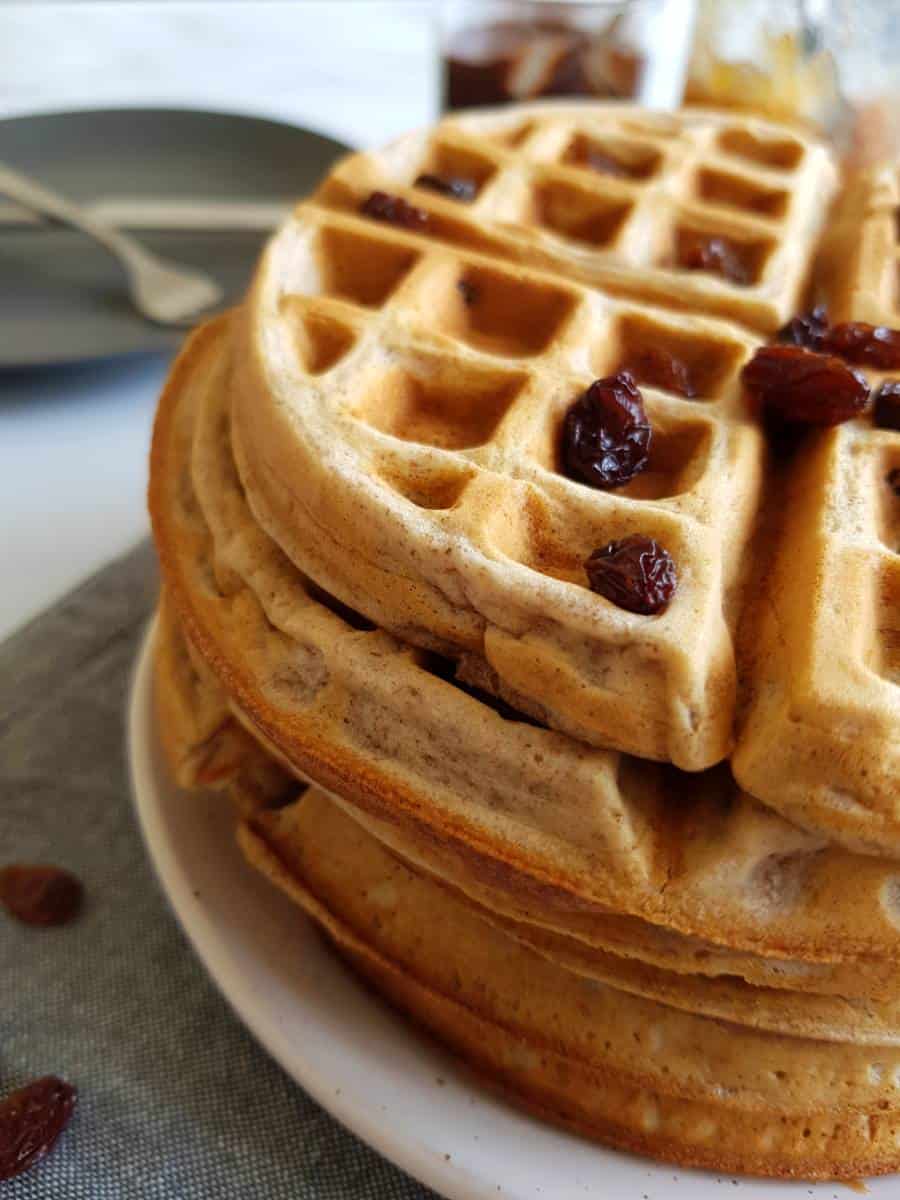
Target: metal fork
{"type": "Point", "coordinates": [162, 291]}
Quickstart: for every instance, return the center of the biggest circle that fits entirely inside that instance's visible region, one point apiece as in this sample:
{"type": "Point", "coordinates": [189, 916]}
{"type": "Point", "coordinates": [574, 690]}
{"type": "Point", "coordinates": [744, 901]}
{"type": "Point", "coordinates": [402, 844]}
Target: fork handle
{"type": "Point", "coordinates": [33, 195]}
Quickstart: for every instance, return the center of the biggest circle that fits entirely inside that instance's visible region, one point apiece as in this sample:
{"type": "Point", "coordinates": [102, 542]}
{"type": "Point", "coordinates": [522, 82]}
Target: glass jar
{"type": "Point", "coordinates": [519, 50]}
{"type": "Point", "coordinates": [864, 38]}
{"type": "Point", "coordinates": [768, 57]}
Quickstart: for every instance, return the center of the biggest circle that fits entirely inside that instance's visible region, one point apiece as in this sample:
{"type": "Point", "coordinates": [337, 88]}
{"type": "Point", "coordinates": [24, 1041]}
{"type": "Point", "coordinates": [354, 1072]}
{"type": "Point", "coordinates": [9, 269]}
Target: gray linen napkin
{"type": "Point", "coordinates": [176, 1099]}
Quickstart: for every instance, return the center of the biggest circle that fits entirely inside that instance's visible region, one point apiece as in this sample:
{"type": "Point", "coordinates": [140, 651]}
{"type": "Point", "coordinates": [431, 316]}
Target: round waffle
{"type": "Point", "coordinates": [398, 397]}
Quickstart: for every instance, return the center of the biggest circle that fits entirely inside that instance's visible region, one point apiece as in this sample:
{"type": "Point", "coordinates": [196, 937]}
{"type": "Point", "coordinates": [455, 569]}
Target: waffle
{"type": "Point", "coordinates": [628, 1071]}
{"type": "Point", "coordinates": [398, 400]}
{"type": "Point", "coordinates": [564, 833]}
{"type": "Point", "coordinates": [820, 741]}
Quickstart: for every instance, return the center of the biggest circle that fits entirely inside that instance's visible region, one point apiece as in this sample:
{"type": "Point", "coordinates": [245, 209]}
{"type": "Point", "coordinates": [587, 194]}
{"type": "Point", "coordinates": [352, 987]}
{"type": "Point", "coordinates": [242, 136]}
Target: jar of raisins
{"type": "Point", "coordinates": [506, 51]}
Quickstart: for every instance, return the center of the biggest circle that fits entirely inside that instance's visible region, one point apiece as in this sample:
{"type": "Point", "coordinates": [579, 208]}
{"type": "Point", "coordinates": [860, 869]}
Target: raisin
{"type": "Point", "coordinates": [457, 187]}
{"type": "Point", "coordinates": [40, 895]}
{"type": "Point", "coordinates": [396, 211]}
{"type": "Point", "coordinates": [808, 329]}
{"type": "Point", "coordinates": [893, 480]}
{"type": "Point", "coordinates": [866, 345]}
{"type": "Point", "coordinates": [635, 573]}
{"type": "Point", "coordinates": [794, 386]}
{"type": "Point", "coordinates": [468, 291]}
{"type": "Point", "coordinates": [712, 252]}
{"type": "Point", "coordinates": [31, 1120]}
{"type": "Point", "coordinates": [887, 405]}
{"type": "Point", "coordinates": [658, 368]}
{"type": "Point", "coordinates": [606, 434]}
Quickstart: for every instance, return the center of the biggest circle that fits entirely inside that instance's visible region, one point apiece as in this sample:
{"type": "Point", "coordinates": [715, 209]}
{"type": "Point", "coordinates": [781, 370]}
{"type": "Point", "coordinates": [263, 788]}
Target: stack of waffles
{"type": "Point", "coordinates": [640, 870]}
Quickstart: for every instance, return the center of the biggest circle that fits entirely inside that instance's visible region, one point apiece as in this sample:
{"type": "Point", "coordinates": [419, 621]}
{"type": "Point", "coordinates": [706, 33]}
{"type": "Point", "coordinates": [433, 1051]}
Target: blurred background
{"type": "Point", "coordinates": [192, 125]}
{"type": "Point", "coordinates": [361, 70]}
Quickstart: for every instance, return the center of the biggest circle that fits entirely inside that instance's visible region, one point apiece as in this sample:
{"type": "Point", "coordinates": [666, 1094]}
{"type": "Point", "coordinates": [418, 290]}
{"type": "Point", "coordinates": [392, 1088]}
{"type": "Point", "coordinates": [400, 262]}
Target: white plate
{"type": "Point", "coordinates": [388, 1084]}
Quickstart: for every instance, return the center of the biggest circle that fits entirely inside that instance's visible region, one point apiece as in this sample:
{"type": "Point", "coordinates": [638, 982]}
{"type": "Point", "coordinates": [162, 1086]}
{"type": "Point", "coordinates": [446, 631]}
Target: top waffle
{"type": "Point", "coordinates": [399, 394]}
{"type": "Point", "coordinates": [397, 399]}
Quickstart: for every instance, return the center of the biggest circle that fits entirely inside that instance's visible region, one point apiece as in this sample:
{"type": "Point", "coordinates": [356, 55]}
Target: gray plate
{"type": "Point", "coordinates": [62, 299]}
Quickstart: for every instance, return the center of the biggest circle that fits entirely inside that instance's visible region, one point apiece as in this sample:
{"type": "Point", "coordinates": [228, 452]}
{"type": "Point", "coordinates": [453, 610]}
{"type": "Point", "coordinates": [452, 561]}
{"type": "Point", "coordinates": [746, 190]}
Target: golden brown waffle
{"type": "Point", "coordinates": [556, 827]}
{"type": "Point", "coordinates": [821, 739]}
{"type": "Point", "coordinates": [398, 400]}
{"type": "Point", "coordinates": [592, 932]}
{"type": "Point", "coordinates": [626, 1070]}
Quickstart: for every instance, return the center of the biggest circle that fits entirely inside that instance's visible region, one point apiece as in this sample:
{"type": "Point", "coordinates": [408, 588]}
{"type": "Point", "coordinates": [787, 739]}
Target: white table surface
{"type": "Point", "coordinates": [73, 442]}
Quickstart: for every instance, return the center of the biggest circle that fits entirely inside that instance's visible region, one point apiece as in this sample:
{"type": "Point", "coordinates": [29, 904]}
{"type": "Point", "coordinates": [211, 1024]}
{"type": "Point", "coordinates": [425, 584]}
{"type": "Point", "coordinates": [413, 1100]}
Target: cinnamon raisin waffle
{"type": "Point", "coordinates": [615, 196]}
{"type": "Point", "coordinates": [624, 951]}
{"type": "Point", "coordinates": [398, 399]}
{"type": "Point", "coordinates": [821, 739]}
{"type": "Point", "coordinates": [704, 985]}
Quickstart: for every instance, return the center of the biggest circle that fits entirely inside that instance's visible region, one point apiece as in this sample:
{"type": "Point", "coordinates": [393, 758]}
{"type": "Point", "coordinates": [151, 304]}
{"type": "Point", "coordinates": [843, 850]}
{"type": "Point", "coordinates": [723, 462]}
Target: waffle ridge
{"type": "Point", "coordinates": [539, 201]}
